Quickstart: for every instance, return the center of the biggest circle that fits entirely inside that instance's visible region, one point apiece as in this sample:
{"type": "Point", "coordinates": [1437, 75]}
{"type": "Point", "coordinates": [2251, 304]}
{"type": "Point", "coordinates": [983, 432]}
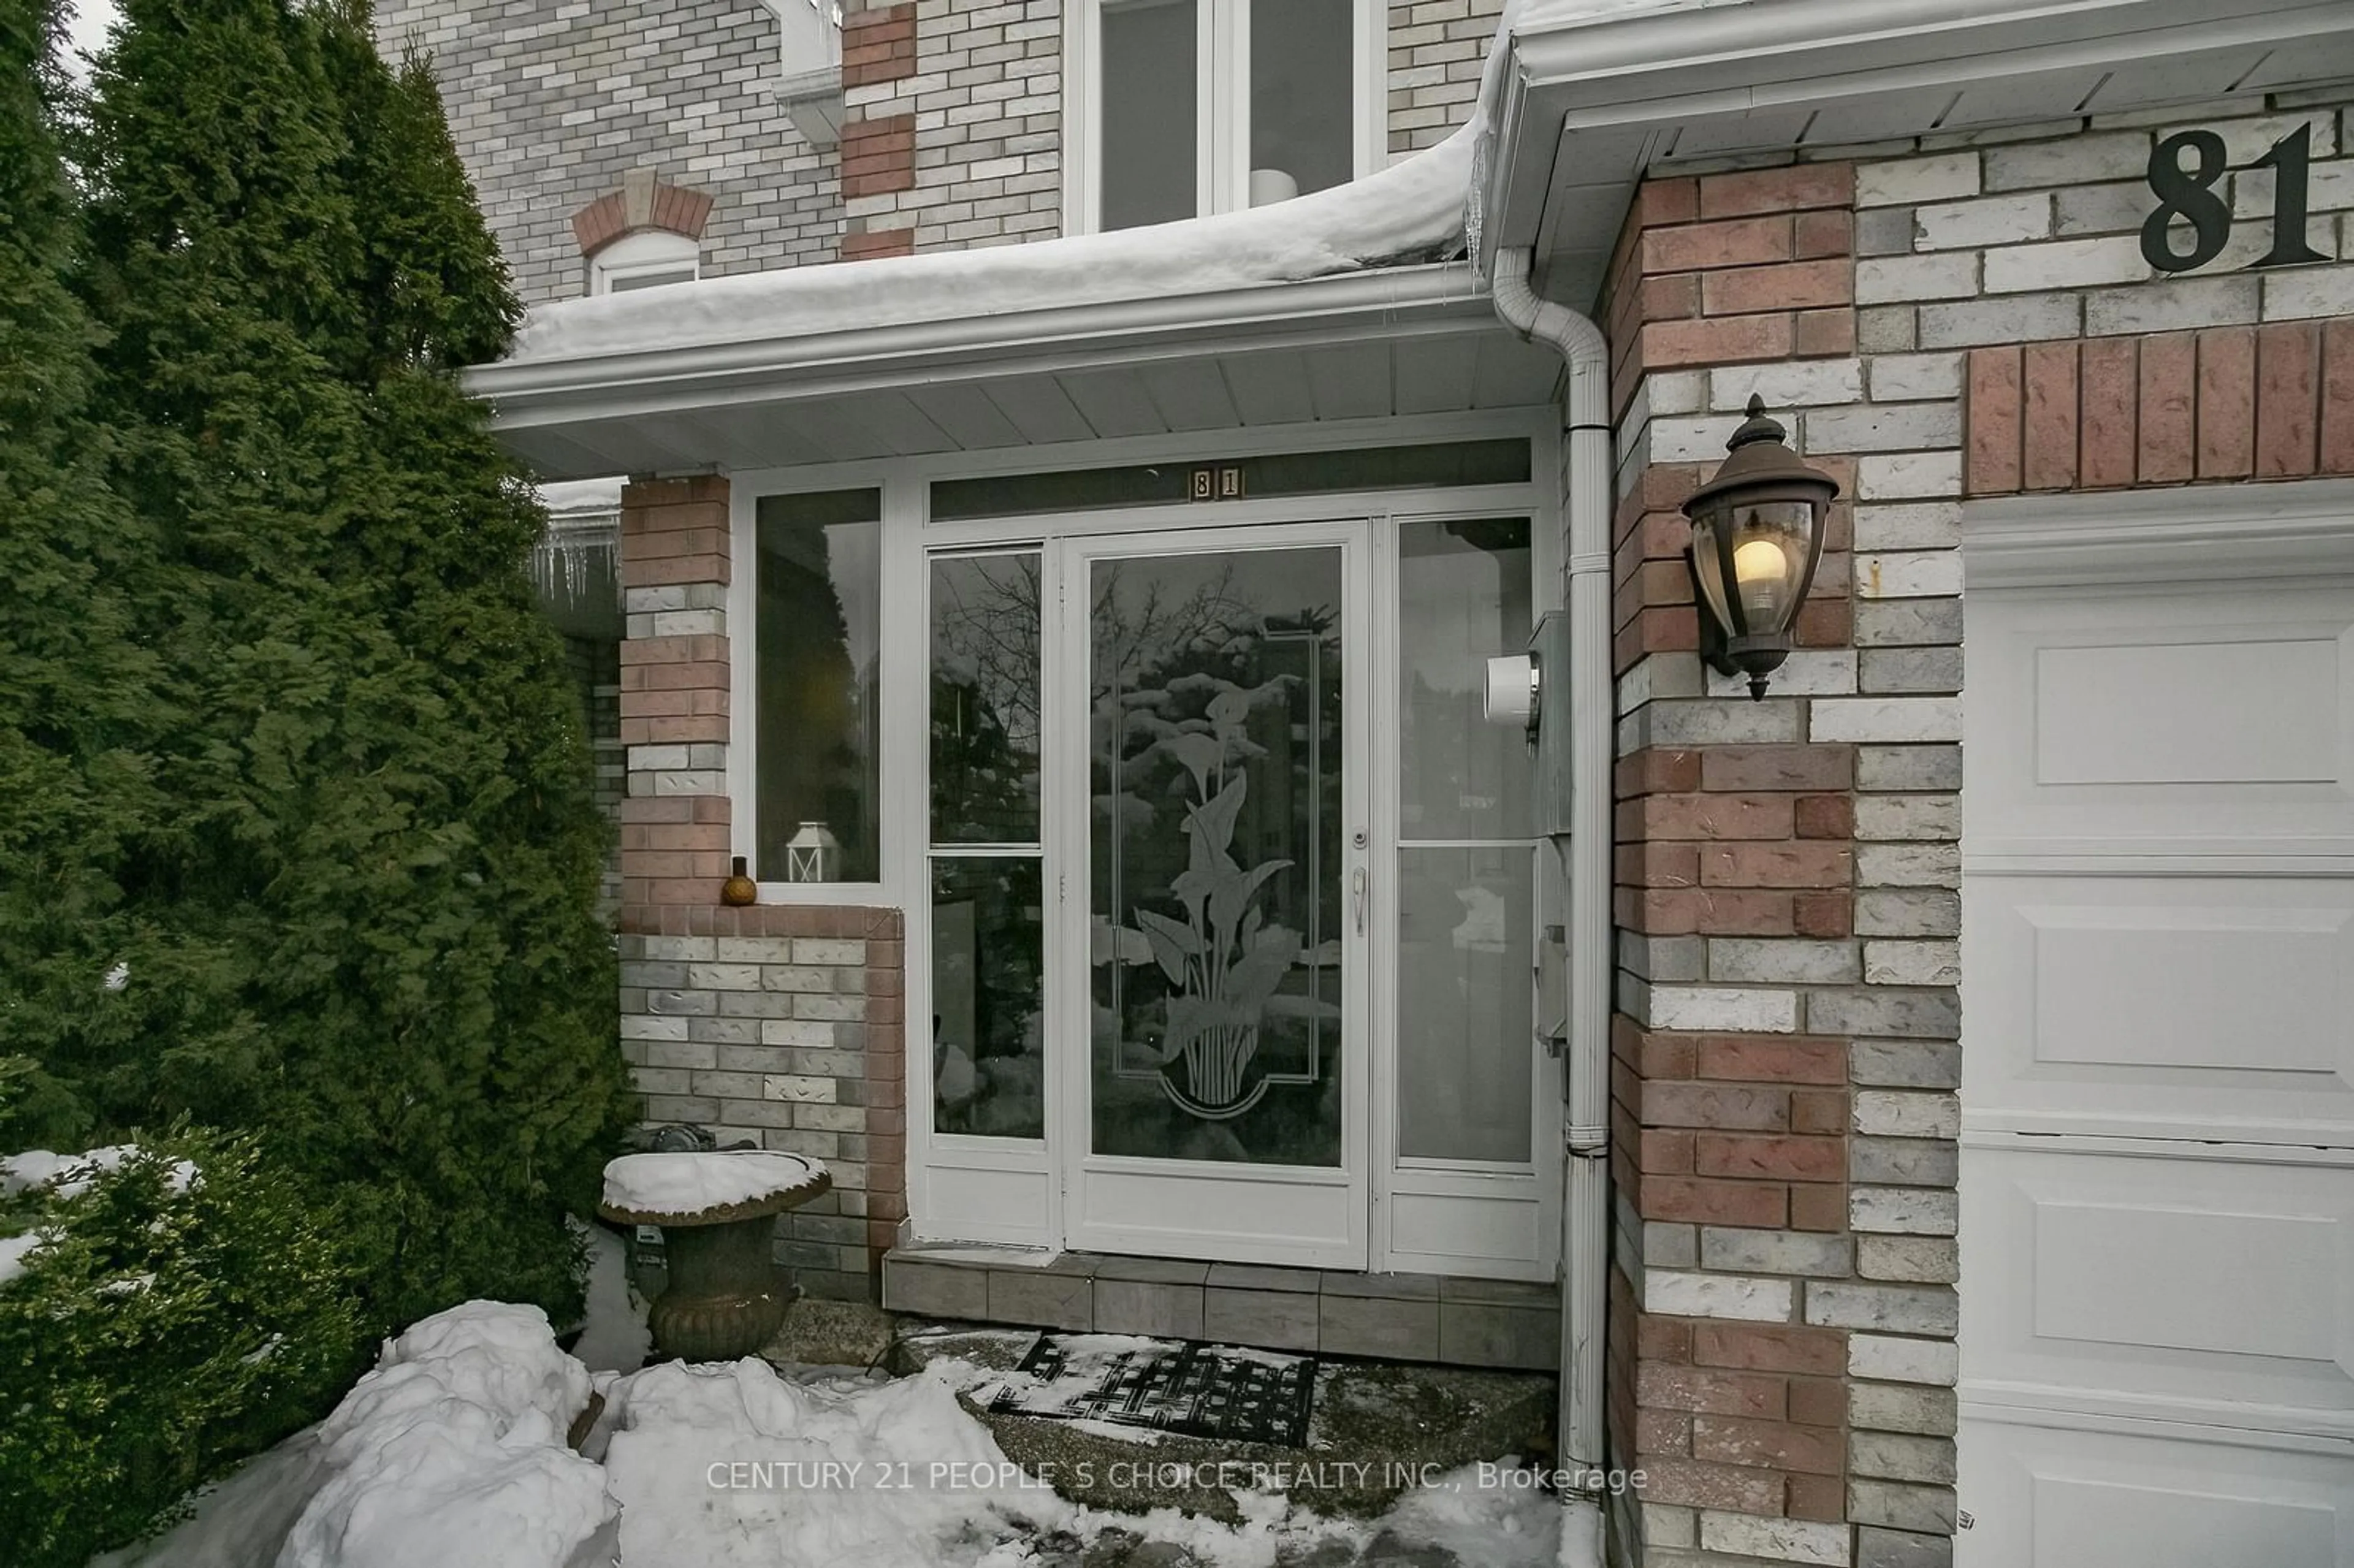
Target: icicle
{"type": "Point", "coordinates": [560, 562]}
{"type": "Point", "coordinates": [574, 554]}
{"type": "Point", "coordinates": [1475, 200]}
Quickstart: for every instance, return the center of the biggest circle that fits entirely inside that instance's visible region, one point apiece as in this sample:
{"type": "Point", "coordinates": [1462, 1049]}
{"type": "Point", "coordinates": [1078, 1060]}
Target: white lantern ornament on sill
{"type": "Point", "coordinates": [1756, 536]}
{"type": "Point", "coordinates": [813, 855]}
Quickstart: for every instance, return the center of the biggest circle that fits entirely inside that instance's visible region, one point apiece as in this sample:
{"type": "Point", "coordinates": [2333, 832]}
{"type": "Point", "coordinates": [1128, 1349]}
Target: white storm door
{"type": "Point", "coordinates": [1217, 893]}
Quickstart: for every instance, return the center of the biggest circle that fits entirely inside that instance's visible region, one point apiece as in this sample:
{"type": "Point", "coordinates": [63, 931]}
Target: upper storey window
{"type": "Point", "coordinates": [1182, 108]}
{"type": "Point", "coordinates": [646, 259]}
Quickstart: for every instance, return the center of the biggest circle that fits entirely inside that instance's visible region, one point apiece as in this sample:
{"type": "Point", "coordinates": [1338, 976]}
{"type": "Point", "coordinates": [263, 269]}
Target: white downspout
{"type": "Point", "coordinates": [1586, 1206]}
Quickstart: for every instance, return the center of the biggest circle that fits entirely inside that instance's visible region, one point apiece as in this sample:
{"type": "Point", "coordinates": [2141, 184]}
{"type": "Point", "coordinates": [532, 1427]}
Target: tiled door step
{"type": "Point", "coordinates": [1397, 1317]}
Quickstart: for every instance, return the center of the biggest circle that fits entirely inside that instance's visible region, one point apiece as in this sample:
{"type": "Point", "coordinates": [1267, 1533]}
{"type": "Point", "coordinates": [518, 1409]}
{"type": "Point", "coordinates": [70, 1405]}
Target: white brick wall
{"type": "Point", "coordinates": [550, 106]}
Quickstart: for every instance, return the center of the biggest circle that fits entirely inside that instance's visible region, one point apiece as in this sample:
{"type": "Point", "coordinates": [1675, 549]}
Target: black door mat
{"type": "Point", "coordinates": [1169, 1385]}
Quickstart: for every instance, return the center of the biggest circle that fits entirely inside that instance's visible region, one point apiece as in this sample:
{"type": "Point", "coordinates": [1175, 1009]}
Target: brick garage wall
{"type": "Point", "coordinates": [781, 1024]}
{"type": "Point", "coordinates": [1784, 1113]}
{"type": "Point", "coordinates": [551, 105]}
{"type": "Point", "coordinates": [1951, 316]}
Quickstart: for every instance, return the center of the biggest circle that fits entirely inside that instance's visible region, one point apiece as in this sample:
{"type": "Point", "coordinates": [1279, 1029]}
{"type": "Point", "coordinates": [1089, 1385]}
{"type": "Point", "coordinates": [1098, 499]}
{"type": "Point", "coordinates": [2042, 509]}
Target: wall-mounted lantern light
{"type": "Point", "coordinates": [1757, 533]}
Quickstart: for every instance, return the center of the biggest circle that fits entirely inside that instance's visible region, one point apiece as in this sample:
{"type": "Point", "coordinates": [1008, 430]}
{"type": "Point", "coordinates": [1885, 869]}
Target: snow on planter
{"type": "Point", "coordinates": [643, 1189]}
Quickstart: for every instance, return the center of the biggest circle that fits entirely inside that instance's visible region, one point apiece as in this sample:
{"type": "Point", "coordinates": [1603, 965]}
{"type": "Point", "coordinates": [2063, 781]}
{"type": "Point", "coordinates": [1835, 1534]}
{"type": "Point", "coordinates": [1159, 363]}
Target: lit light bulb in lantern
{"type": "Point", "coordinates": [1757, 570]}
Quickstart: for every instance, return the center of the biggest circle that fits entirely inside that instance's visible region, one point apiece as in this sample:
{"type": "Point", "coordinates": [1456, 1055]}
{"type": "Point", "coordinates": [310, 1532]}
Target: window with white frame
{"type": "Point", "coordinates": [646, 259]}
{"type": "Point", "coordinates": [1182, 108]}
{"type": "Point", "coordinates": [817, 628]}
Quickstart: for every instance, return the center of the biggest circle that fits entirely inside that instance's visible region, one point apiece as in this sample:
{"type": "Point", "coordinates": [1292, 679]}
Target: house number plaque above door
{"type": "Point", "coordinates": [2186, 192]}
{"type": "Point", "coordinates": [1216, 484]}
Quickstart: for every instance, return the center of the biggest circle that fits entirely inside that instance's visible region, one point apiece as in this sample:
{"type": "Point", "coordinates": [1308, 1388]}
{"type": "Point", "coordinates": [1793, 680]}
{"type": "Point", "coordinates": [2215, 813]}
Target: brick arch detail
{"type": "Point", "coordinates": [643, 202]}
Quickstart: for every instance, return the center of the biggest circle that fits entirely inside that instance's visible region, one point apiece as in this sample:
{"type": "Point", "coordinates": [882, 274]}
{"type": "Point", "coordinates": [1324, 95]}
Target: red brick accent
{"type": "Point", "coordinates": [674, 848]}
{"type": "Point", "coordinates": [878, 155]}
{"type": "Point", "coordinates": [878, 46]}
{"type": "Point", "coordinates": [868, 245]}
{"type": "Point", "coordinates": [1733, 268]}
{"type": "Point", "coordinates": [600, 223]}
{"type": "Point", "coordinates": [2226, 403]}
{"type": "Point", "coordinates": [1740, 1130]}
{"type": "Point", "coordinates": [676, 210]}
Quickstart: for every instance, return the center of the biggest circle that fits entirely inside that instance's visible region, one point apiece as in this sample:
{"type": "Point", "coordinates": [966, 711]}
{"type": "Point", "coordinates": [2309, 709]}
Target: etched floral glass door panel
{"type": "Point", "coordinates": [1215, 892]}
{"type": "Point", "coordinates": [1214, 762]}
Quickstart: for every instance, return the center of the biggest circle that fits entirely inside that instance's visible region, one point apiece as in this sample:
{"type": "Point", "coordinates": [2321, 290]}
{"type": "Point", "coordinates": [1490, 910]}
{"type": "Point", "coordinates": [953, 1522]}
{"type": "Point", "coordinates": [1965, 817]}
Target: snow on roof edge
{"type": "Point", "coordinates": [1412, 209]}
{"type": "Point", "coordinates": [1416, 209]}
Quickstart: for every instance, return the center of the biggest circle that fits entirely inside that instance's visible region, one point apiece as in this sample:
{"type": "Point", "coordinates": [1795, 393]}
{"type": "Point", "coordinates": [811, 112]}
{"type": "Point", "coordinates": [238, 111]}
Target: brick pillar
{"type": "Point", "coordinates": [1783, 1124]}
{"type": "Point", "coordinates": [674, 679]}
{"type": "Point", "coordinates": [777, 1023]}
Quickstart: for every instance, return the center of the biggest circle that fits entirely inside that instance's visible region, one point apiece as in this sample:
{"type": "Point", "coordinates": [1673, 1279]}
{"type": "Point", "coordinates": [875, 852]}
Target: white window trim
{"type": "Point", "coordinates": [1223, 38]}
{"type": "Point", "coordinates": [648, 253]}
{"type": "Point", "coordinates": [901, 746]}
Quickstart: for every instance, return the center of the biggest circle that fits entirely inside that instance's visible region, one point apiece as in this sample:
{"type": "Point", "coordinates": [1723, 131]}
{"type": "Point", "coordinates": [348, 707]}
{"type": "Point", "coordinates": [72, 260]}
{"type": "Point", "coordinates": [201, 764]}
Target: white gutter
{"type": "Point", "coordinates": [1585, 1201]}
{"type": "Point", "coordinates": [659, 375]}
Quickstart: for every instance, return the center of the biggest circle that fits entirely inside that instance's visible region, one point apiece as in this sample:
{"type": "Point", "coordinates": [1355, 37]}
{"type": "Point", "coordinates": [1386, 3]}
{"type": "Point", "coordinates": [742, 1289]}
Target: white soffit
{"type": "Point", "coordinates": [1592, 103]}
{"type": "Point", "coordinates": [1409, 341]}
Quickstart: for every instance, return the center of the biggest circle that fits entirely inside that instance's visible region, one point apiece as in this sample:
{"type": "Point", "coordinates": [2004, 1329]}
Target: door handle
{"type": "Point", "coordinates": [1357, 880]}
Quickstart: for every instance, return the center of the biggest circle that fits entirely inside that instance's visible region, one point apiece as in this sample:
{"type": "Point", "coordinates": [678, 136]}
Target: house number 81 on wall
{"type": "Point", "coordinates": [2188, 192]}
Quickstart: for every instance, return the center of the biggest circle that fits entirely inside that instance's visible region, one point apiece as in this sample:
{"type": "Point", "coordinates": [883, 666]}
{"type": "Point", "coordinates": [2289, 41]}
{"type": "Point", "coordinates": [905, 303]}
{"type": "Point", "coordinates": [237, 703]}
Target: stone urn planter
{"type": "Point", "coordinates": [718, 1209]}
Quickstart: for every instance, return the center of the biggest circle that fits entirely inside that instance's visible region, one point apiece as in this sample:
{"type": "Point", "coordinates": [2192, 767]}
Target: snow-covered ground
{"type": "Point", "coordinates": [453, 1452]}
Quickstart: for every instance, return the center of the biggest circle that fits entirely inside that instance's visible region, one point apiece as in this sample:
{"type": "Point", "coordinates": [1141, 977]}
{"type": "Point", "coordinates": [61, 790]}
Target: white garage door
{"type": "Point", "coordinates": [2158, 1159]}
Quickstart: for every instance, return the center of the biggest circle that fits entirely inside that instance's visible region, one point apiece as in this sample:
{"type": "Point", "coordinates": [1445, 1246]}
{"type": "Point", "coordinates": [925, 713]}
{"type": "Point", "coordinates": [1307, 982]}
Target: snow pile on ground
{"type": "Point", "coordinates": [451, 1453]}
{"type": "Point", "coordinates": [689, 1183]}
{"type": "Point", "coordinates": [732, 1466]}
{"type": "Point", "coordinates": [453, 1450]}
{"type": "Point", "coordinates": [241, 1521]}
{"type": "Point", "coordinates": [1519, 1527]}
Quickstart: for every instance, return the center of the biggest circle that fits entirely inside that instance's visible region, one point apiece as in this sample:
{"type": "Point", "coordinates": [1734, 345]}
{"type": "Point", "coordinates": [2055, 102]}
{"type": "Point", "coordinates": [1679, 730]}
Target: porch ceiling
{"type": "Point", "coordinates": [1404, 341]}
{"type": "Point", "coordinates": [1592, 102]}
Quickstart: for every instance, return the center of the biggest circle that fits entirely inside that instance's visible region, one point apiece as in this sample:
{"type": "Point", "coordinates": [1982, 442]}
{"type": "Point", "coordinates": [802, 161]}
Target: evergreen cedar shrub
{"type": "Point", "coordinates": [76, 702]}
{"type": "Point", "coordinates": [158, 1336]}
{"type": "Point", "coordinates": [281, 733]}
